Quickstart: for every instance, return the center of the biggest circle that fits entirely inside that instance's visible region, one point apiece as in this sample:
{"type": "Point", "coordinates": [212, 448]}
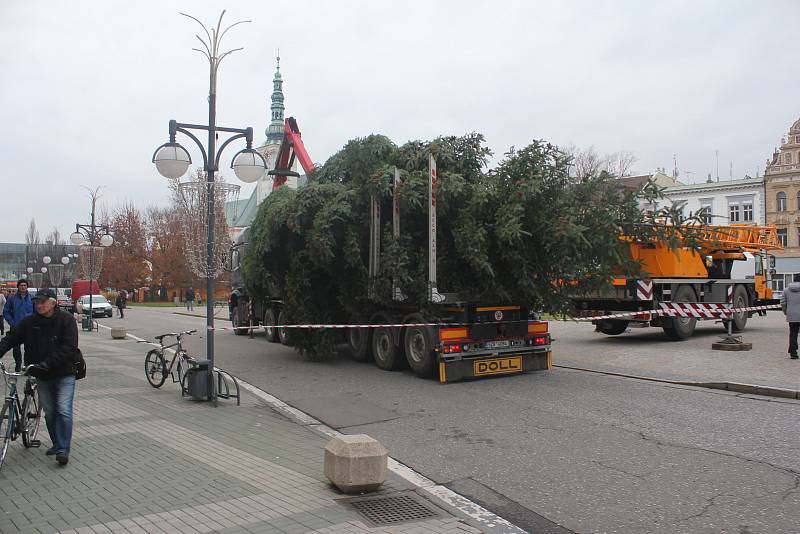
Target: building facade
{"type": "Point", "coordinates": [728, 202]}
{"type": "Point", "coordinates": [782, 190]}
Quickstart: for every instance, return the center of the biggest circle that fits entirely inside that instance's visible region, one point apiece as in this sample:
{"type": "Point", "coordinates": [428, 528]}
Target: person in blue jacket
{"type": "Point", "coordinates": [16, 309]}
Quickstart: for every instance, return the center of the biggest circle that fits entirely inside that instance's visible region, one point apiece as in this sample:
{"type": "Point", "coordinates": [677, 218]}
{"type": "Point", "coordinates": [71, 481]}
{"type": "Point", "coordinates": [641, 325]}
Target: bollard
{"type": "Point", "coordinates": [118, 332]}
{"type": "Point", "coordinates": [356, 463]}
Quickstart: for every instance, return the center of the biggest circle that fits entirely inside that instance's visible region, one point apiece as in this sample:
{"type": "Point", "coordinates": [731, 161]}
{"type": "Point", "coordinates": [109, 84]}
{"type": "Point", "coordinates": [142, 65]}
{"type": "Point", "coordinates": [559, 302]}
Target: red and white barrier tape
{"type": "Point", "coordinates": [684, 309]}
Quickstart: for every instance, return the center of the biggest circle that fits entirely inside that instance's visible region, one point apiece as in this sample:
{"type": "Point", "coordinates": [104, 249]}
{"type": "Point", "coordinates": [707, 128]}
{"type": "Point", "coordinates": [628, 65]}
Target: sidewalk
{"type": "Point", "coordinates": [145, 460]}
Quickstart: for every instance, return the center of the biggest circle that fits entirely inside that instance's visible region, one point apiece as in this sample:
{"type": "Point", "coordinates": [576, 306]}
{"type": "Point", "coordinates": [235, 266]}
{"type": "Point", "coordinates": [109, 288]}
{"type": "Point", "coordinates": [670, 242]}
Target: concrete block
{"type": "Point", "coordinates": [118, 332]}
{"type": "Point", "coordinates": [356, 463]}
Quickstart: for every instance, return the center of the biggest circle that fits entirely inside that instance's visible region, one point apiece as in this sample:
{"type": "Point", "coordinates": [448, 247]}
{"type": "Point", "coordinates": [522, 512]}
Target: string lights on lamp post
{"type": "Point", "coordinates": [94, 236]}
{"type": "Point", "coordinates": [172, 160]}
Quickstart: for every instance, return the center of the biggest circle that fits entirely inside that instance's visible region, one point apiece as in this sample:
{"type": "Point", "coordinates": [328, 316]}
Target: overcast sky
{"type": "Point", "coordinates": [88, 87]}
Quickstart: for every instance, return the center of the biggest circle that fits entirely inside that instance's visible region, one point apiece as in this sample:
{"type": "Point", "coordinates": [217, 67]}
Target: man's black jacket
{"type": "Point", "coordinates": [49, 341]}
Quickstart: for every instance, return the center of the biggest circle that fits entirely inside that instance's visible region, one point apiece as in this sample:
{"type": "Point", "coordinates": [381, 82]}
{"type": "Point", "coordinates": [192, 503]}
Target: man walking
{"type": "Point", "coordinates": [2, 305]}
{"type": "Point", "coordinates": [50, 337]}
{"type": "Point", "coordinates": [190, 299]}
{"type": "Point", "coordinates": [18, 307]}
{"type": "Point", "coordinates": [790, 304]}
{"type": "Point", "coordinates": [121, 302]}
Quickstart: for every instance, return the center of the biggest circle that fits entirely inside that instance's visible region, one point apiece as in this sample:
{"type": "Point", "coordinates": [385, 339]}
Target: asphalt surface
{"type": "Point", "coordinates": [552, 451]}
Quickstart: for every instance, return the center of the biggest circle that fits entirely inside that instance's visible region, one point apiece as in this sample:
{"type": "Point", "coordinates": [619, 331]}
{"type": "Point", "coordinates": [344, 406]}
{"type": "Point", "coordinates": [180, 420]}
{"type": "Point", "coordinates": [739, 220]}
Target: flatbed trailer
{"type": "Point", "coordinates": [448, 337]}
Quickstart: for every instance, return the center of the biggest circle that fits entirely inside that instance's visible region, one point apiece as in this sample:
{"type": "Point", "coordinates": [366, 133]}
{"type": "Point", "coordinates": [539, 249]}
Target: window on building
{"type": "Point", "coordinates": [781, 201]}
{"type": "Point", "coordinates": [779, 282]}
{"type": "Point", "coordinates": [788, 157]}
{"type": "Point", "coordinates": [782, 237]}
{"type": "Point", "coordinates": [706, 213]}
{"type": "Point", "coordinates": [747, 212]}
{"type": "Point", "coordinates": [733, 213]}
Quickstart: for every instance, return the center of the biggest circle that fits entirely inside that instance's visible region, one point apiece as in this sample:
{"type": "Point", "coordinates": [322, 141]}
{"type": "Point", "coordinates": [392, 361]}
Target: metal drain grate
{"type": "Point", "coordinates": [393, 509]}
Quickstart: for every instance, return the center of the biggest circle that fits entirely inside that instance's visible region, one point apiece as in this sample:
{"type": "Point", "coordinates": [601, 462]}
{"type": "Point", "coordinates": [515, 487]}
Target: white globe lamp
{"type": "Point", "coordinates": [46, 260]}
{"type": "Point", "coordinates": [106, 240]}
{"type": "Point", "coordinates": [249, 165]}
{"type": "Point", "coordinates": [172, 160]}
{"type": "Point", "coordinates": [77, 238]}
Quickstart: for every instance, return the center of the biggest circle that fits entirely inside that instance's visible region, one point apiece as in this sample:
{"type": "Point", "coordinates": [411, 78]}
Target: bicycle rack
{"type": "Point", "coordinates": [222, 388]}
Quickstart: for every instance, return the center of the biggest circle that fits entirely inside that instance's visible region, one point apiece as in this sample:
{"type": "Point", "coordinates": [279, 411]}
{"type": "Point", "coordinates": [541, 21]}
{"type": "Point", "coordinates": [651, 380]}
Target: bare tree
{"type": "Point", "coordinates": [587, 163]}
{"type": "Point", "coordinates": [32, 235]}
{"type": "Point", "coordinates": [54, 237]}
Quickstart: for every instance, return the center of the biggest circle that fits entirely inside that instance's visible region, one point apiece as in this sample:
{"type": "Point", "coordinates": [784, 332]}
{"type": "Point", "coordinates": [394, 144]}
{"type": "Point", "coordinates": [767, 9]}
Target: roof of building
{"type": "Point", "coordinates": [710, 186]}
{"type": "Point", "coordinates": [634, 182]}
{"type": "Point", "coordinates": [242, 212]}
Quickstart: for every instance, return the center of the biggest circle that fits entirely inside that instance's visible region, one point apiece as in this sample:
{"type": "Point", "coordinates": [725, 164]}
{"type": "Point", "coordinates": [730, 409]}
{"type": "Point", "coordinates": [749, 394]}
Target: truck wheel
{"type": "Point", "coordinates": [359, 340]}
{"type": "Point", "coordinates": [681, 328]}
{"type": "Point", "coordinates": [740, 300]}
{"type": "Point", "coordinates": [612, 328]}
{"type": "Point", "coordinates": [236, 322]}
{"type": "Point", "coordinates": [270, 321]}
{"type": "Point", "coordinates": [283, 333]}
{"type": "Point", "coordinates": [418, 345]}
{"type": "Point", "coordinates": [384, 350]}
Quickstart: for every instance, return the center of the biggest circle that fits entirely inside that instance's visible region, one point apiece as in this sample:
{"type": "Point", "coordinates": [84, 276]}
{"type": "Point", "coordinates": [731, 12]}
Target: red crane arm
{"type": "Point", "coordinates": [291, 147]}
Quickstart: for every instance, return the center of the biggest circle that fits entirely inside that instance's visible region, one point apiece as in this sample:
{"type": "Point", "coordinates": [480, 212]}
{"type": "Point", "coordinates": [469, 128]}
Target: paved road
{"type": "Point", "coordinates": [554, 451]}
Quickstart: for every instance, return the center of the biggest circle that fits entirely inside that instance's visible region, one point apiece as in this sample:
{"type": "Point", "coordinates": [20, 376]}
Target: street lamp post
{"type": "Point", "coordinates": [89, 234]}
{"type": "Point", "coordinates": [172, 160]}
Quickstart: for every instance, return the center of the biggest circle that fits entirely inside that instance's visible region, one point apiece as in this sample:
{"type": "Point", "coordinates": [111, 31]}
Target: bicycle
{"type": "Point", "coordinates": [155, 365]}
{"type": "Point", "coordinates": [19, 417]}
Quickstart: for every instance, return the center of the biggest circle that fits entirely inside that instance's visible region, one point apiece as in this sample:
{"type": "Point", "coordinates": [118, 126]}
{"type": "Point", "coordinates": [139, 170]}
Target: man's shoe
{"type": "Point", "coordinates": [793, 356]}
{"type": "Point", "coordinates": [51, 451]}
{"type": "Point", "coordinates": [62, 458]}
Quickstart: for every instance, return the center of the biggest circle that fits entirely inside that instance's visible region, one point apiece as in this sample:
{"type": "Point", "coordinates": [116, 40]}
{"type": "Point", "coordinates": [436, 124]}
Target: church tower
{"type": "Point", "coordinates": [274, 134]}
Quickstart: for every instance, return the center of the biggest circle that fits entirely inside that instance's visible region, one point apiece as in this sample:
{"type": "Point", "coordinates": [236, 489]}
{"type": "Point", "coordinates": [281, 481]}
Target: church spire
{"type": "Point", "coordinates": [276, 127]}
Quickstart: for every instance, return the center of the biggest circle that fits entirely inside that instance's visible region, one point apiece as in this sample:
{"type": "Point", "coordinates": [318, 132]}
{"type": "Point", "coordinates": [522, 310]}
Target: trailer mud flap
{"type": "Point", "coordinates": [455, 370]}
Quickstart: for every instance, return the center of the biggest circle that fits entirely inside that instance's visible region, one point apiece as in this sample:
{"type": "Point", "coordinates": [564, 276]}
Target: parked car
{"type": "Point", "coordinates": [100, 306]}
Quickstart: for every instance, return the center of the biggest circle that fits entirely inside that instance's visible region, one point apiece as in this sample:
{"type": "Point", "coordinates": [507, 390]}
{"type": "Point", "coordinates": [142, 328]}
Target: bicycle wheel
{"type": "Point", "coordinates": [31, 417]}
{"type": "Point", "coordinates": [182, 374]}
{"type": "Point", "coordinates": [6, 429]}
{"type": "Point", "coordinates": [155, 369]}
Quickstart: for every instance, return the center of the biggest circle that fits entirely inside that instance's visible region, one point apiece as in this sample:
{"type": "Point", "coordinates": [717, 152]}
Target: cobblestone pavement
{"type": "Point", "coordinates": [145, 460]}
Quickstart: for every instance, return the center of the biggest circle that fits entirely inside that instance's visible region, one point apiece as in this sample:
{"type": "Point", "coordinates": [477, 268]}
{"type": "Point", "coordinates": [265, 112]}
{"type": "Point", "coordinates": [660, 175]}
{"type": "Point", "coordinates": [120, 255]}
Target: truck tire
{"type": "Point", "coordinates": [680, 328]}
{"type": "Point", "coordinates": [385, 351]}
{"type": "Point", "coordinates": [283, 333]}
{"type": "Point", "coordinates": [612, 328]}
{"type": "Point", "coordinates": [270, 320]}
{"type": "Point", "coordinates": [418, 345]}
{"type": "Point", "coordinates": [740, 300]}
{"type": "Point", "coordinates": [236, 322]}
{"type": "Point", "coordinates": [359, 341]}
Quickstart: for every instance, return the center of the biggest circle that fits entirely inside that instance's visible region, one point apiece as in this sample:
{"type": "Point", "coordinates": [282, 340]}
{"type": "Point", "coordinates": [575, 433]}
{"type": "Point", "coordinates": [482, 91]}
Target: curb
{"type": "Point", "coordinates": [444, 496]}
{"type": "Point", "coordinates": [737, 387]}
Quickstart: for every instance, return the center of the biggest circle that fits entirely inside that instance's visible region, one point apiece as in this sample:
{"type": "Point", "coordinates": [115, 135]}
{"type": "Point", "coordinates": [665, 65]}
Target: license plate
{"type": "Point", "coordinates": [497, 366]}
{"type": "Point", "coordinates": [498, 344]}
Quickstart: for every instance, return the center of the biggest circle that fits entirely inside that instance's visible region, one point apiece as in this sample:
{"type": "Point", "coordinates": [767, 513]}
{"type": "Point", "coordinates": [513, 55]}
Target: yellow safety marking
{"type": "Point", "coordinates": [442, 377]}
{"type": "Point", "coordinates": [549, 359]}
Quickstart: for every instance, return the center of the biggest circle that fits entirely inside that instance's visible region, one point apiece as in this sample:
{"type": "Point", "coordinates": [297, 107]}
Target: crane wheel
{"type": "Point", "coordinates": [680, 328]}
{"type": "Point", "coordinates": [740, 300]}
{"type": "Point", "coordinates": [612, 328]}
{"type": "Point", "coordinates": [283, 333]}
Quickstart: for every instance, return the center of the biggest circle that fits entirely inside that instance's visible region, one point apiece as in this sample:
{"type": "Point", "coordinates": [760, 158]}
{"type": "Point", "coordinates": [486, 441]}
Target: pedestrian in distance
{"type": "Point", "coordinates": [190, 299]}
{"type": "Point", "coordinates": [121, 303]}
{"type": "Point", "coordinates": [50, 337]}
{"type": "Point", "coordinates": [17, 308]}
{"type": "Point", "coordinates": [2, 305]}
{"type": "Point", "coordinates": [790, 304]}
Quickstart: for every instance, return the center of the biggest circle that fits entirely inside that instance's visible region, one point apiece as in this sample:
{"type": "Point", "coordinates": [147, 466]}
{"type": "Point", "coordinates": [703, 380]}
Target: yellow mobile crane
{"type": "Point", "coordinates": [728, 266]}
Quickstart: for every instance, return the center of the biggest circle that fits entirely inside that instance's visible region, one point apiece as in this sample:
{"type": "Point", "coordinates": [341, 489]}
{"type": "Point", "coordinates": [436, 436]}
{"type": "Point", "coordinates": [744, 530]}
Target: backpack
{"type": "Point", "coordinates": [79, 365]}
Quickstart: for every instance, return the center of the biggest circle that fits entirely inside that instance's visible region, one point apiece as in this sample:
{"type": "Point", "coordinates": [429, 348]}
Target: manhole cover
{"type": "Point", "coordinates": [392, 509]}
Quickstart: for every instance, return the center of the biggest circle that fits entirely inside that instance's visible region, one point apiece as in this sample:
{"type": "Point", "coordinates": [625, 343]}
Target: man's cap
{"type": "Point", "coordinates": [44, 294]}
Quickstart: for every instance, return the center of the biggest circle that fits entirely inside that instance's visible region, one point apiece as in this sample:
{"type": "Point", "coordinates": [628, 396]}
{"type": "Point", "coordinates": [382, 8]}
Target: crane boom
{"type": "Point", "coordinates": [291, 147]}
